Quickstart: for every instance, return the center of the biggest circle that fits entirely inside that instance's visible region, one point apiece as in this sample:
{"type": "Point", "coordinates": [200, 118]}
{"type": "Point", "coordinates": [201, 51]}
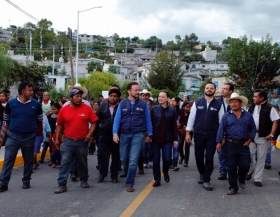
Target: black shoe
{"type": "Point", "coordinates": [25, 185]}
{"type": "Point", "coordinates": [41, 161]}
{"type": "Point", "coordinates": [100, 179]}
{"type": "Point", "coordinates": [248, 177]}
{"type": "Point", "coordinates": [222, 177]}
{"type": "Point", "coordinates": [60, 189]}
{"type": "Point", "coordinates": [141, 172]}
{"type": "Point", "coordinates": [231, 192]}
{"type": "Point", "coordinates": [156, 184]}
{"type": "Point", "coordinates": [258, 184]}
{"type": "Point", "coordinates": [166, 178]}
{"type": "Point", "coordinates": [73, 177]}
{"type": "Point", "coordinates": [267, 166]}
{"type": "Point", "coordinates": [115, 180]}
{"type": "Point", "coordinates": [200, 180]}
{"type": "Point", "coordinates": [84, 184]}
{"type": "Point", "coordinates": [3, 188]}
{"type": "Point", "coordinates": [242, 185]}
{"type": "Point", "coordinates": [123, 175]}
{"type": "Point", "coordinates": [207, 186]}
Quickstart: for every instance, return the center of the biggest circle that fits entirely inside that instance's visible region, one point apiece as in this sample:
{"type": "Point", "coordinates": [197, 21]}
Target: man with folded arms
{"type": "Point", "coordinates": [238, 128]}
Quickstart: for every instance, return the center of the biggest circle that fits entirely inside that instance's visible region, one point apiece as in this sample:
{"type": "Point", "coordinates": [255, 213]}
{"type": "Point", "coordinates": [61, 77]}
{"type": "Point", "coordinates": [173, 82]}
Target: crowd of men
{"type": "Point", "coordinates": [122, 127]}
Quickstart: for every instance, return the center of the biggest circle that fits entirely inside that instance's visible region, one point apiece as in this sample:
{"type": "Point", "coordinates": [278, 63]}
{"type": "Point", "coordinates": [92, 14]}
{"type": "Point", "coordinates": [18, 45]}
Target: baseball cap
{"type": "Point", "coordinates": [74, 92]}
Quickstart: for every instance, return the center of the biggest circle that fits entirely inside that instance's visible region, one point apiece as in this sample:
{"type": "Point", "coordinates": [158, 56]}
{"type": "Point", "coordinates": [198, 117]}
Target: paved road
{"type": "Point", "coordinates": [183, 196]}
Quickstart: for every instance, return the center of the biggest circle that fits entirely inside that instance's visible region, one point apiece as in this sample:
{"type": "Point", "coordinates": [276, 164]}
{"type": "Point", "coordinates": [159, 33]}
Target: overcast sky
{"type": "Point", "coordinates": [212, 20]}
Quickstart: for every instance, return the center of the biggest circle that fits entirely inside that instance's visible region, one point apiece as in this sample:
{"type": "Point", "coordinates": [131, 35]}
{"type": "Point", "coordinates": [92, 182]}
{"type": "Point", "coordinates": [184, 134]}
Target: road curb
{"type": "Point", "coordinates": [19, 159]}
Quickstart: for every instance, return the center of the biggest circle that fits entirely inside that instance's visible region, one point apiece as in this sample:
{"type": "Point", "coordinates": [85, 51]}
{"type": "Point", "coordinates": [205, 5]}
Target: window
{"type": "Point", "coordinates": [195, 83]}
{"type": "Point", "coordinates": [203, 65]}
{"type": "Point", "coordinates": [140, 74]}
{"type": "Point", "coordinates": [222, 66]}
{"type": "Point", "coordinates": [184, 81]}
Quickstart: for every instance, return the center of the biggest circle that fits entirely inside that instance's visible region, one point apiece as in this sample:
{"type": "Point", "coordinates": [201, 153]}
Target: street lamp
{"type": "Point", "coordinates": [77, 40]}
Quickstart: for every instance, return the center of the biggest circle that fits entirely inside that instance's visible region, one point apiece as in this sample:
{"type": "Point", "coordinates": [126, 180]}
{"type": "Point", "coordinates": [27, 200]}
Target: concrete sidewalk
{"type": "Point", "coordinates": [19, 159]}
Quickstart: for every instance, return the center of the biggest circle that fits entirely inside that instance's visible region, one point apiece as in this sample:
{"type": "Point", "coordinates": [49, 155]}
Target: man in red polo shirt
{"type": "Point", "coordinates": [75, 119]}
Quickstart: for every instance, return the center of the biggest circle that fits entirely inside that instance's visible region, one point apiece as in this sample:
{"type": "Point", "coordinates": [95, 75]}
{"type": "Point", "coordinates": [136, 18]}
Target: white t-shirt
{"type": "Point", "coordinates": [256, 115]}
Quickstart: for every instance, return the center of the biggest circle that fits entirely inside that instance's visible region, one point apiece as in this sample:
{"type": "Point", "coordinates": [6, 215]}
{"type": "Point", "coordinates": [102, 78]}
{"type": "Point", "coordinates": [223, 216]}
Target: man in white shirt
{"type": "Point", "coordinates": [266, 120]}
{"type": "Point", "coordinates": [206, 114]}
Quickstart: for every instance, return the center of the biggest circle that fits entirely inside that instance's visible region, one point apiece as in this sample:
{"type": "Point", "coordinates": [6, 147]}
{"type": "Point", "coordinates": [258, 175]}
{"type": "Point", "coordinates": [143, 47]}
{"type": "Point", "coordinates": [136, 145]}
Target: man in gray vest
{"type": "Point", "coordinates": [266, 120]}
{"type": "Point", "coordinates": [206, 114]}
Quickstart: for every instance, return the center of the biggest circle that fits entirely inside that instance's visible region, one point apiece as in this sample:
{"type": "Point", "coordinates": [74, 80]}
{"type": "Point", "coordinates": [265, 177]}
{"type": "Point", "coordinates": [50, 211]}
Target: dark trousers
{"type": "Point", "coordinates": [16, 141]}
{"type": "Point", "coordinates": [205, 147]}
{"type": "Point", "coordinates": [166, 154]}
{"type": "Point", "coordinates": [238, 161]}
{"type": "Point", "coordinates": [147, 152]}
{"type": "Point", "coordinates": [69, 149]}
{"type": "Point", "coordinates": [46, 145]}
{"type": "Point", "coordinates": [186, 155]}
{"type": "Point", "coordinates": [106, 147]}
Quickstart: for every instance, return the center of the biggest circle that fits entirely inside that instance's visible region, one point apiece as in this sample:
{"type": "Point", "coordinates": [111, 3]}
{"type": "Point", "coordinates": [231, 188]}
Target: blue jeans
{"type": "Point", "coordinates": [222, 160]}
{"type": "Point", "coordinates": [56, 157]}
{"type": "Point", "coordinates": [175, 154]}
{"type": "Point", "coordinates": [130, 147]}
{"type": "Point", "coordinates": [69, 149]}
{"type": "Point", "coordinates": [238, 156]}
{"type": "Point", "coordinates": [166, 150]}
{"type": "Point", "coordinates": [16, 140]}
{"type": "Point", "coordinates": [147, 152]}
{"type": "Point", "coordinates": [268, 155]}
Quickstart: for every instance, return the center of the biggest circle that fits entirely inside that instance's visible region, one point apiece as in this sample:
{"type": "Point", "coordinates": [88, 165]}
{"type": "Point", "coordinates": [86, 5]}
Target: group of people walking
{"type": "Point", "coordinates": [123, 128]}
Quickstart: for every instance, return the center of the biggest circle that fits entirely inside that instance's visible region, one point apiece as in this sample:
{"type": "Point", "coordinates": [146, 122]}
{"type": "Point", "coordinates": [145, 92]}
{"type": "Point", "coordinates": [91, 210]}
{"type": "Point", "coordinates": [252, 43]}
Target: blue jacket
{"type": "Point", "coordinates": [132, 118]}
{"type": "Point", "coordinates": [207, 119]}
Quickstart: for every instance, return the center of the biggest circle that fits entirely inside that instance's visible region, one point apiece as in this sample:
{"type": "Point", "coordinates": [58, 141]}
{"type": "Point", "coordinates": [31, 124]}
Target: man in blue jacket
{"type": "Point", "coordinates": [132, 120]}
{"type": "Point", "coordinates": [205, 116]}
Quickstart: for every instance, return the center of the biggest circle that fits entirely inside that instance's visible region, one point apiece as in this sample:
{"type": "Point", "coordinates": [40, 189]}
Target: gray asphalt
{"type": "Point", "coordinates": [183, 196]}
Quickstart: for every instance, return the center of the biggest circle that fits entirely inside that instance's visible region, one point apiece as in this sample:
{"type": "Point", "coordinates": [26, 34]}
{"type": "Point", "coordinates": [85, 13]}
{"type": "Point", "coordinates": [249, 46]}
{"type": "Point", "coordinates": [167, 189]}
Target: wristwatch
{"type": "Point", "coordinates": [271, 135]}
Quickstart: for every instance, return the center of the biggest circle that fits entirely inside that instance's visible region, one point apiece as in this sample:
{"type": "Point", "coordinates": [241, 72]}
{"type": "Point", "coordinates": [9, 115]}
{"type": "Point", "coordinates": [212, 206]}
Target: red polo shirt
{"type": "Point", "coordinates": [76, 120]}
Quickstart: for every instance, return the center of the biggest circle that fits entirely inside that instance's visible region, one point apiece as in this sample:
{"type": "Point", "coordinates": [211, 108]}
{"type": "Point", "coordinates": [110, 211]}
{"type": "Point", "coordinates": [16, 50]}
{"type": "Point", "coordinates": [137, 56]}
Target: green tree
{"type": "Point", "coordinates": [93, 67]}
{"type": "Point", "coordinates": [193, 57]}
{"type": "Point", "coordinates": [190, 41]}
{"type": "Point", "coordinates": [254, 64]}
{"type": "Point", "coordinates": [6, 64]}
{"type": "Point", "coordinates": [224, 55]}
{"type": "Point", "coordinates": [165, 72]}
{"type": "Point", "coordinates": [124, 89]}
{"type": "Point", "coordinates": [97, 82]}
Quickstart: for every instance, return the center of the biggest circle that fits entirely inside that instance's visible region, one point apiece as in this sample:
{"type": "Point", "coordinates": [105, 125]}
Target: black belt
{"type": "Point", "coordinates": [237, 141]}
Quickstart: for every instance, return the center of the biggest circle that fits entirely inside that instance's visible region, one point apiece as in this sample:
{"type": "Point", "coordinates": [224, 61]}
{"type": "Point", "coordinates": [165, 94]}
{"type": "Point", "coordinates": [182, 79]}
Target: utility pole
{"type": "Point", "coordinates": [53, 60]}
{"type": "Point", "coordinates": [70, 54]}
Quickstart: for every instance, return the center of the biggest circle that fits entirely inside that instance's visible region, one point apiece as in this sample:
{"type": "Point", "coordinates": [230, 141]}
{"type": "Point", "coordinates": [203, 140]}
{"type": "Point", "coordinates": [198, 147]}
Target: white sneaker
{"type": "Point", "coordinates": [145, 165]}
{"type": "Point", "coordinates": [151, 164]}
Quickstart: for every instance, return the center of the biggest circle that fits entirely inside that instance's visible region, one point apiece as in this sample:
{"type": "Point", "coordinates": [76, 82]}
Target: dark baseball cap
{"type": "Point", "coordinates": [74, 92]}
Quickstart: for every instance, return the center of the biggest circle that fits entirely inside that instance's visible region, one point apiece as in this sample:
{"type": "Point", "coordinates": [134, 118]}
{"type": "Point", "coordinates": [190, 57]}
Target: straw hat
{"type": "Point", "coordinates": [79, 87]}
{"type": "Point", "coordinates": [243, 99]}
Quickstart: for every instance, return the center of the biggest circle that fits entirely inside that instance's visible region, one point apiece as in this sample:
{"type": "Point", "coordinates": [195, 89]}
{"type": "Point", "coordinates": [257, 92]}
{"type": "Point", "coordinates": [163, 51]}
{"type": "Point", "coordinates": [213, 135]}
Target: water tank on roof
{"type": "Point", "coordinates": [115, 62]}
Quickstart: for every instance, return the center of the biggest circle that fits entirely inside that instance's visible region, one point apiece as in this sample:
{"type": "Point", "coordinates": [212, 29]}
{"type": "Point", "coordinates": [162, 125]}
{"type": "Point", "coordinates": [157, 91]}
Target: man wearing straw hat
{"type": "Point", "coordinates": [78, 87]}
{"type": "Point", "coordinates": [239, 130]}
